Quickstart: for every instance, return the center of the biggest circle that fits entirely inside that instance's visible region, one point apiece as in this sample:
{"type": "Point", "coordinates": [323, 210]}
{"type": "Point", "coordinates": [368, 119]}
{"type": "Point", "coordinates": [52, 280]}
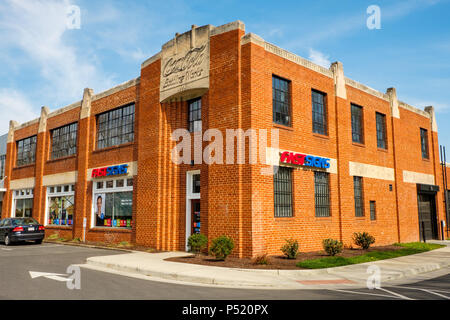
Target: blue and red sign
{"type": "Point", "coordinates": [304, 160]}
{"type": "Point", "coordinates": [110, 171]}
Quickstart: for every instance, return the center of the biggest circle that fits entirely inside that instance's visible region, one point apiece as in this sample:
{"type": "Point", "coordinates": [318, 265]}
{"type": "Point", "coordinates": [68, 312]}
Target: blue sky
{"type": "Point", "coordinates": [44, 63]}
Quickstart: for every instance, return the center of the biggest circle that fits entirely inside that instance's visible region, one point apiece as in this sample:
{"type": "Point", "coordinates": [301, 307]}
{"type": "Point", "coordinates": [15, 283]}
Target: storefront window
{"type": "Point", "coordinates": [61, 202]}
{"type": "Point", "coordinates": [23, 203]}
{"type": "Point", "coordinates": [112, 207]}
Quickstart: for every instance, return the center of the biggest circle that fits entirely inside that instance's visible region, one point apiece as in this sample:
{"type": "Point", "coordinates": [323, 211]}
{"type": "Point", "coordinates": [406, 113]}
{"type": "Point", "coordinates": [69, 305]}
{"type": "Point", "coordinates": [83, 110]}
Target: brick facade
{"type": "Point", "coordinates": [236, 199]}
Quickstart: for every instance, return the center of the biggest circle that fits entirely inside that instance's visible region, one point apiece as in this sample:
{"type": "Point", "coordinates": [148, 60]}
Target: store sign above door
{"type": "Point", "coordinates": [304, 160]}
{"type": "Point", "coordinates": [110, 171]}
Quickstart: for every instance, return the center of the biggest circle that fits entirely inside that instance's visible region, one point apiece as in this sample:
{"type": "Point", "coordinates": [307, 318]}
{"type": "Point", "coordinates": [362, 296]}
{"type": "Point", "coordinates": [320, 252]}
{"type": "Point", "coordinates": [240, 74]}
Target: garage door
{"type": "Point", "coordinates": [427, 217]}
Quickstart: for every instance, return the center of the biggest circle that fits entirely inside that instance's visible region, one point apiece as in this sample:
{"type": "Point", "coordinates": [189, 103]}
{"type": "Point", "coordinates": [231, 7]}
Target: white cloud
{"type": "Point", "coordinates": [14, 106]}
{"type": "Point", "coordinates": [37, 28]}
{"type": "Point", "coordinates": [319, 58]}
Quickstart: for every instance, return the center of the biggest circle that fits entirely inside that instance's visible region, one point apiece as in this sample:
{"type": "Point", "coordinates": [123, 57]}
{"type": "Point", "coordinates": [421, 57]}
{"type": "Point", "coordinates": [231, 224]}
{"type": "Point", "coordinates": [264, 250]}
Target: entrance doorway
{"type": "Point", "coordinates": [427, 216]}
{"type": "Point", "coordinates": [192, 204]}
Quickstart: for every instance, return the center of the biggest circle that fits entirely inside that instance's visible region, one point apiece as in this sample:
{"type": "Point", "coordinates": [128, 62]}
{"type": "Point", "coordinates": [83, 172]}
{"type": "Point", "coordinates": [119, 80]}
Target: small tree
{"type": "Point", "coordinates": [290, 248]}
{"type": "Point", "coordinates": [221, 247]}
{"type": "Point", "coordinates": [332, 247]}
{"type": "Point", "coordinates": [197, 242]}
{"type": "Point", "coordinates": [363, 239]}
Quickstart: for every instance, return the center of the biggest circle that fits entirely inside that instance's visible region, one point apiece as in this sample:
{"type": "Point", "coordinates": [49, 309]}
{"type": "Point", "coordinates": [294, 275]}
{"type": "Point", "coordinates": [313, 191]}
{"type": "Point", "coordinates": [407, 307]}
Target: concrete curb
{"type": "Point", "coordinates": [90, 246]}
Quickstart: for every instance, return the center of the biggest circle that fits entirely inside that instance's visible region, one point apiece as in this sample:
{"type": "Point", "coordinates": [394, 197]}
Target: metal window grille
{"type": "Point", "coordinates": [195, 115]}
{"type": "Point", "coordinates": [357, 128]}
{"type": "Point", "coordinates": [373, 210]}
{"type": "Point", "coordinates": [424, 143]}
{"type": "Point", "coordinates": [322, 194]}
{"type": "Point", "coordinates": [358, 191]}
{"type": "Point", "coordinates": [381, 130]}
{"type": "Point", "coordinates": [282, 182]}
{"type": "Point", "coordinates": [2, 166]}
{"type": "Point", "coordinates": [281, 101]}
{"type": "Point", "coordinates": [64, 141]}
{"type": "Point", "coordinates": [115, 127]}
{"type": "Point", "coordinates": [26, 151]}
{"type": "Point", "coordinates": [319, 112]}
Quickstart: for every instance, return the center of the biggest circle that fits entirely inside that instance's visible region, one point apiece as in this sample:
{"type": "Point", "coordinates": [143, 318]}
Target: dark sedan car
{"type": "Point", "coordinates": [21, 229]}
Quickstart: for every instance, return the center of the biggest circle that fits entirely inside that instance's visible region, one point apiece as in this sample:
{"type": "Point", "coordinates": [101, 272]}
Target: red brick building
{"type": "Point", "coordinates": [349, 158]}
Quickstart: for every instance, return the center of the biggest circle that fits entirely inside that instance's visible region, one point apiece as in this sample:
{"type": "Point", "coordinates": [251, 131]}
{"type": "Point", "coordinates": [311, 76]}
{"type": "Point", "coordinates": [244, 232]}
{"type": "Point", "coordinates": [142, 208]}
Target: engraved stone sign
{"type": "Point", "coordinates": [185, 65]}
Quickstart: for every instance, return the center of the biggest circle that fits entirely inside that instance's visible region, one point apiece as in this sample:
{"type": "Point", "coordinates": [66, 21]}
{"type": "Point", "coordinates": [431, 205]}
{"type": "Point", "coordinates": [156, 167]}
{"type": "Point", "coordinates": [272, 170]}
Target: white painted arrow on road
{"type": "Point", "coordinates": [53, 276]}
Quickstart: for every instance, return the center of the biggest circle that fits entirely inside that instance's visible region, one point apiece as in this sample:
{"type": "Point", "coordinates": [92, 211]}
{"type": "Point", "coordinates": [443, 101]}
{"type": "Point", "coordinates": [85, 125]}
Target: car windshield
{"type": "Point", "coordinates": [22, 221]}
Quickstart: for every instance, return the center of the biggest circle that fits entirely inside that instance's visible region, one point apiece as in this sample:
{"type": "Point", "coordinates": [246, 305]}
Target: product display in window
{"type": "Point", "coordinates": [113, 209]}
{"type": "Point", "coordinates": [61, 210]}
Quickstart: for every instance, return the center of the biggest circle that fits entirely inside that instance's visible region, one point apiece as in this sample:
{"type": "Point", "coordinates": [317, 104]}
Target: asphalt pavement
{"type": "Point", "coordinates": [30, 271]}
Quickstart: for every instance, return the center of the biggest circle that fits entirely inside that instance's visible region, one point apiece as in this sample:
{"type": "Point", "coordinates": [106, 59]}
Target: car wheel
{"type": "Point", "coordinates": [38, 241]}
{"type": "Point", "coordinates": [7, 241]}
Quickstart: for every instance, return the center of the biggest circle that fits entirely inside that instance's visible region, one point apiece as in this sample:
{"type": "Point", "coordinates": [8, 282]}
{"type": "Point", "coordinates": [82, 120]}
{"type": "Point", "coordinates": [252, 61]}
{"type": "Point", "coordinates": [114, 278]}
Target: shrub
{"type": "Point", "coordinates": [53, 236]}
{"type": "Point", "coordinates": [332, 247]}
{"type": "Point", "coordinates": [261, 259]}
{"type": "Point", "coordinates": [221, 247]}
{"type": "Point", "coordinates": [290, 249]}
{"type": "Point", "coordinates": [363, 239]}
{"type": "Point", "coordinates": [197, 242]}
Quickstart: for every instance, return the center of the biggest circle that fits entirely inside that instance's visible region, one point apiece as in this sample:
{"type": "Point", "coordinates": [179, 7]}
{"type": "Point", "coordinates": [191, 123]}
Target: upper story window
{"type": "Point", "coordinates": [115, 127]}
{"type": "Point", "coordinates": [64, 141]}
{"type": "Point", "coordinates": [381, 131]}
{"type": "Point", "coordinates": [357, 124]}
{"type": "Point", "coordinates": [195, 115]}
{"type": "Point", "coordinates": [2, 166]}
{"type": "Point", "coordinates": [282, 186]}
{"type": "Point", "coordinates": [281, 101]}
{"type": "Point", "coordinates": [424, 143]}
{"type": "Point", "coordinates": [26, 151]}
{"type": "Point", "coordinates": [319, 112]}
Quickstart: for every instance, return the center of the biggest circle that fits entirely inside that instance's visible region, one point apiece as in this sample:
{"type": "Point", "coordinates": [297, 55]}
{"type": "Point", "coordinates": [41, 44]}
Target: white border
{"type": "Point", "coordinates": [190, 196]}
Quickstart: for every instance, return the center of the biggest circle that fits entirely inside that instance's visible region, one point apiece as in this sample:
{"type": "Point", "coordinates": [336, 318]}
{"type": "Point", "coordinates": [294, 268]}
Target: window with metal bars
{"type": "Point", "coordinates": [322, 193]}
{"type": "Point", "coordinates": [281, 101]}
{"type": "Point", "coordinates": [195, 115]}
{"type": "Point", "coordinates": [282, 185]}
{"type": "Point", "coordinates": [381, 130]}
{"type": "Point", "coordinates": [373, 210]}
{"type": "Point", "coordinates": [424, 143]}
{"type": "Point", "coordinates": [26, 151]}
{"type": "Point", "coordinates": [358, 192]}
{"type": "Point", "coordinates": [64, 141]}
{"type": "Point", "coordinates": [115, 127]}
{"type": "Point", "coordinates": [2, 166]}
{"type": "Point", "coordinates": [319, 112]}
{"type": "Point", "coordinates": [357, 124]}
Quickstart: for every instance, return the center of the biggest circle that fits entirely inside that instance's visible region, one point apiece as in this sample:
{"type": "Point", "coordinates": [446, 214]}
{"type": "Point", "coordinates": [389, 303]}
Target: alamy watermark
{"type": "Point", "coordinates": [374, 280]}
{"type": "Point", "coordinates": [374, 19]}
{"type": "Point", "coordinates": [73, 17]}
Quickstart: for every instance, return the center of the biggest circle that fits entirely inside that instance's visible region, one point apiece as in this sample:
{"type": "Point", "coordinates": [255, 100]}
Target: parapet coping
{"type": "Point", "coordinates": [119, 87]}
{"type": "Point", "coordinates": [413, 109]}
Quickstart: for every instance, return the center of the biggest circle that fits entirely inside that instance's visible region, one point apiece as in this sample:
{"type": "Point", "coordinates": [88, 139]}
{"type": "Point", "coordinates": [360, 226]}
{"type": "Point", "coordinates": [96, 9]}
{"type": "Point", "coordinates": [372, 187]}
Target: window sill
{"type": "Point", "coordinates": [104, 229]}
{"type": "Point", "coordinates": [124, 145]}
{"type": "Point", "coordinates": [382, 150]}
{"type": "Point", "coordinates": [357, 144]}
{"type": "Point", "coordinates": [280, 126]}
{"type": "Point", "coordinates": [61, 159]}
{"type": "Point", "coordinates": [321, 136]}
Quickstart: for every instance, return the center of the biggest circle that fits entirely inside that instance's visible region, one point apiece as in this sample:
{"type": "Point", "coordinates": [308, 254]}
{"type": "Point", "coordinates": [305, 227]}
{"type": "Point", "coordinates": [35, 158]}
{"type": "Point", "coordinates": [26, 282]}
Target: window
{"type": "Point", "coordinates": [424, 143]}
{"type": "Point", "coordinates": [381, 130]}
{"type": "Point", "coordinates": [64, 141]}
{"type": "Point", "coordinates": [23, 203]}
{"type": "Point", "coordinates": [196, 183]}
{"type": "Point", "coordinates": [26, 151]}
{"type": "Point", "coordinates": [357, 124]}
{"type": "Point", "coordinates": [373, 210]}
{"type": "Point", "coordinates": [281, 101]}
{"type": "Point", "coordinates": [358, 193]}
{"type": "Point", "coordinates": [61, 203]}
{"type": "Point", "coordinates": [195, 115]}
{"type": "Point", "coordinates": [115, 127]}
{"type": "Point", "coordinates": [112, 207]}
{"type": "Point", "coordinates": [2, 166]}
{"type": "Point", "coordinates": [319, 112]}
{"type": "Point", "coordinates": [282, 185]}
{"type": "Point", "coordinates": [322, 194]}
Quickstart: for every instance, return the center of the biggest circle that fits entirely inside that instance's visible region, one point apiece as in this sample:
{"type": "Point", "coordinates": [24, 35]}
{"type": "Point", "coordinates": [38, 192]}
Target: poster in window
{"type": "Point", "coordinates": [99, 209]}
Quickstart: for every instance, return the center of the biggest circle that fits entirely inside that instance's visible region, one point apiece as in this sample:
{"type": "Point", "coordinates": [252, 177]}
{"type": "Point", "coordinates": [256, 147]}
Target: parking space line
{"type": "Point", "coordinates": [7, 249]}
{"type": "Point", "coordinates": [364, 293]}
{"type": "Point", "coordinates": [396, 294]}
{"type": "Point", "coordinates": [435, 293]}
{"type": "Point", "coordinates": [414, 288]}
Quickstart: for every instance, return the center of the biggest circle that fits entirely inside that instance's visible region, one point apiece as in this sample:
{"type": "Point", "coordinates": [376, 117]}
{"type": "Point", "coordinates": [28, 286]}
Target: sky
{"type": "Point", "coordinates": [45, 59]}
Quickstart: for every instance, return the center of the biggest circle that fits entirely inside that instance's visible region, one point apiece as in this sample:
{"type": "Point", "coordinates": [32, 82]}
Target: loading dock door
{"type": "Point", "coordinates": [427, 216]}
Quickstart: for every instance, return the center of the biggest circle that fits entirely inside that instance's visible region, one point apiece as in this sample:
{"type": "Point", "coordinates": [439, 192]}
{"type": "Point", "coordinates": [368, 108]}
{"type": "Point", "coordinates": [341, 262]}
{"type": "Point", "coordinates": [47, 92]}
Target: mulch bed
{"type": "Point", "coordinates": [275, 262]}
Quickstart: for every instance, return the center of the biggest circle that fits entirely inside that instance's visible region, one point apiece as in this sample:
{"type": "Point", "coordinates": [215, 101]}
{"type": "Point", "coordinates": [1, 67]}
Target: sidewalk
{"type": "Point", "coordinates": [153, 265]}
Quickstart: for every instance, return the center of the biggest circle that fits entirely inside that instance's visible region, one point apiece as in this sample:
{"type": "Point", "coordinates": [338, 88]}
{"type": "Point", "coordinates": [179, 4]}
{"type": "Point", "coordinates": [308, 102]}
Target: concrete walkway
{"type": "Point", "coordinates": [153, 267]}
